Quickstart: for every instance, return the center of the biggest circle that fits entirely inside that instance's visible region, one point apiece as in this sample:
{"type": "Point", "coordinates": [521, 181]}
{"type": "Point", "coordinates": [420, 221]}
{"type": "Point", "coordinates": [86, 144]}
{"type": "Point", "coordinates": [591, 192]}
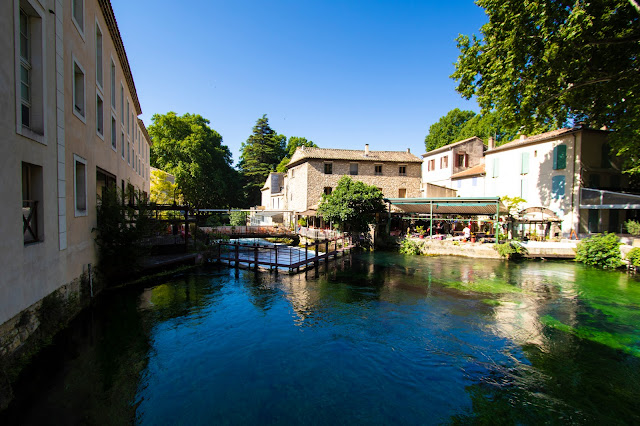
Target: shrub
{"type": "Point", "coordinates": [302, 221]}
{"type": "Point", "coordinates": [238, 219]}
{"type": "Point", "coordinates": [602, 250]}
{"type": "Point", "coordinates": [408, 246]}
{"type": "Point", "coordinates": [633, 227]}
{"type": "Point", "coordinates": [634, 257]}
{"type": "Point", "coordinates": [511, 250]}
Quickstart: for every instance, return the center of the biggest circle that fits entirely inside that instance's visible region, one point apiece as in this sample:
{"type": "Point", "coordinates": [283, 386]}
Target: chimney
{"type": "Point", "coordinates": [366, 149]}
{"type": "Point", "coordinates": [408, 150]}
{"type": "Point", "coordinates": [491, 142]}
{"type": "Point", "coordinates": [523, 137]}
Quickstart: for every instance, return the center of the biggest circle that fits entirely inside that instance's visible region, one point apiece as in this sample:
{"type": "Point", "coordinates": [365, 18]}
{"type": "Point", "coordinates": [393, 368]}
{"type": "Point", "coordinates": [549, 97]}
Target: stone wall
{"type": "Point", "coordinates": [450, 248]}
{"type": "Point", "coordinates": [389, 182]}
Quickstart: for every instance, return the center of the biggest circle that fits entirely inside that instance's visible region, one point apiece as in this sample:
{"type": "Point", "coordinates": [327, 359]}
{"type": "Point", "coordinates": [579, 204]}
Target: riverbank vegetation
{"type": "Point", "coordinates": [602, 250]}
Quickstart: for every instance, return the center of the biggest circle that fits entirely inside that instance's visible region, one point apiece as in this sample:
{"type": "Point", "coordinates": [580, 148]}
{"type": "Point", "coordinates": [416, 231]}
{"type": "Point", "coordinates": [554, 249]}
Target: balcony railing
{"type": "Point", "coordinates": [30, 221]}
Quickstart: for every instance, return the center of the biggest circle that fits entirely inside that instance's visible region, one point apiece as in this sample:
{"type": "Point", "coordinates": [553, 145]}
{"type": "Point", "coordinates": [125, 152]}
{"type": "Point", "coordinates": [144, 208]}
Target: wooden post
{"type": "Point", "coordinates": [315, 257]}
{"type": "Point", "coordinates": [237, 248]}
{"type": "Point", "coordinates": [255, 257]}
{"type": "Point", "coordinates": [277, 259]}
{"type": "Point", "coordinates": [326, 252]}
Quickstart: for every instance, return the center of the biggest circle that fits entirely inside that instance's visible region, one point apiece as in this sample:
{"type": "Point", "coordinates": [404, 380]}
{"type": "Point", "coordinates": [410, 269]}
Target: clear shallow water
{"type": "Point", "coordinates": [375, 339]}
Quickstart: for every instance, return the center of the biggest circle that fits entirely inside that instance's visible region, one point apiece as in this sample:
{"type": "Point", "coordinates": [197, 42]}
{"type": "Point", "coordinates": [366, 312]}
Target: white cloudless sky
{"type": "Point", "coordinates": [340, 73]}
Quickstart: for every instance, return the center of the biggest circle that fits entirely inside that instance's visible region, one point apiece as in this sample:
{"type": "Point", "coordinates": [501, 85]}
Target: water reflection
{"type": "Point", "coordinates": [376, 338]}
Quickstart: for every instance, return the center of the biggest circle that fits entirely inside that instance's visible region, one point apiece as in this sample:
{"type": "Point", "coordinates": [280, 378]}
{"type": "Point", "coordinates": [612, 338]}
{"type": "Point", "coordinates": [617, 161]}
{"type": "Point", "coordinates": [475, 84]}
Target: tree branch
{"type": "Point", "coordinates": [611, 41]}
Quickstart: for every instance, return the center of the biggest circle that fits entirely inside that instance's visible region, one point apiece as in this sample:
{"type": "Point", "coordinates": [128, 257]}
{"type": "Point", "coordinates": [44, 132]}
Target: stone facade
{"type": "Point", "coordinates": [397, 174]}
{"type": "Point", "coordinates": [440, 164]}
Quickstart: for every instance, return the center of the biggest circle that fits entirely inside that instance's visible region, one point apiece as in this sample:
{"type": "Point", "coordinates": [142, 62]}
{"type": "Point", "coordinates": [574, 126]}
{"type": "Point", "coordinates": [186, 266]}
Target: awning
{"type": "Point", "coordinates": [597, 199]}
{"type": "Point", "coordinates": [450, 205]}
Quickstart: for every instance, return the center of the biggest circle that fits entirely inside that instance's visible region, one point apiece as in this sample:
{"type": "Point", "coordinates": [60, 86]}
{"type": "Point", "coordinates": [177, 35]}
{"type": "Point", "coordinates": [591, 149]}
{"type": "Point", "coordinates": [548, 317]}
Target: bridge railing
{"type": "Point", "coordinates": [247, 230]}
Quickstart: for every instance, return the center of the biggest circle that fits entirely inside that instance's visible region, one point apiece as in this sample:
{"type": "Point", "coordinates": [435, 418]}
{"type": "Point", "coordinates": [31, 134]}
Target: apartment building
{"type": "Point", "coordinates": [70, 127]}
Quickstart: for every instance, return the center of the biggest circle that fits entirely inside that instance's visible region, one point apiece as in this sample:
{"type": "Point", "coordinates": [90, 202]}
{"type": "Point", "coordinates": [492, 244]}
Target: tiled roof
{"type": "Point", "coordinates": [307, 153]}
{"type": "Point", "coordinates": [112, 25]}
{"type": "Point", "coordinates": [532, 139]}
{"type": "Point", "coordinates": [448, 147]}
{"type": "Point", "coordinates": [473, 171]}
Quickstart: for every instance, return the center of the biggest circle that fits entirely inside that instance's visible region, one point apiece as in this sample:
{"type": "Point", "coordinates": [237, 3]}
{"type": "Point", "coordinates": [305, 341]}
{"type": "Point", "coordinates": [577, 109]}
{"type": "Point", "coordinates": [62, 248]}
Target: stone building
{"type": "Point", "coordinates": [440, 164]}
{"type": "Point", "coordinates": [68, 119]}
{"type": "Point", "coordinates": [313, 172]}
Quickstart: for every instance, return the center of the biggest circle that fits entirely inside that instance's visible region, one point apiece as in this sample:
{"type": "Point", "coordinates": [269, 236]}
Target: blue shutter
{"type": "Point", "coordinates": [557, 187]}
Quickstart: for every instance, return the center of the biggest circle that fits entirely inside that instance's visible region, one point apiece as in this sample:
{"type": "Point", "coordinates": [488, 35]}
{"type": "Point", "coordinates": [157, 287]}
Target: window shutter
{"type": "Point", "coordinates": [466, 160]}
{"type": "Point", "coordinates": [557, 187]}
{"type": "Point", "coordinates": [560, 157]}
{"type": "Point", "coordinates": [525, 164]}
{"type": "Point", "coordinates": [496, 168]}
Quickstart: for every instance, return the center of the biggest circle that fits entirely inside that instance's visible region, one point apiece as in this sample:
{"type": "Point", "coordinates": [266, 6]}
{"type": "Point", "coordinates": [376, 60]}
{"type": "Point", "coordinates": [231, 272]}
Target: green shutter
{"type": "Point", "coordinates": [560, 157]}
{"type": "Point", "coordinates": [557, 187]}
{"type": "Point", "coordinates": [524, 169]}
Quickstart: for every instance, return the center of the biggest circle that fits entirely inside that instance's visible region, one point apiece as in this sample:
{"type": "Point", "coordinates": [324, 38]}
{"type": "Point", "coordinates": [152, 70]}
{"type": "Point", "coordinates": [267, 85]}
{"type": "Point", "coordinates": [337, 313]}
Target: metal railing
{"type": "Point", "coordinates": [30, 221]}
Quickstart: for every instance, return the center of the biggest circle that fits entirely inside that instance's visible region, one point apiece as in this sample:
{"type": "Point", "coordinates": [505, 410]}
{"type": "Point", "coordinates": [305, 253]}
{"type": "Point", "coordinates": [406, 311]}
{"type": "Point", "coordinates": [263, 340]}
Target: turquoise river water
{"type": "Point", "coordinates": [370, 339]}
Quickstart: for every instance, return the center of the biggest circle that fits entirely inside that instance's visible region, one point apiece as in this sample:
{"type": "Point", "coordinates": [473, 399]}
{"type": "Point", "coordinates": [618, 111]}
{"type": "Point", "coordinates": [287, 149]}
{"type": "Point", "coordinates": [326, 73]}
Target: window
{"type": "Point", "coordinates": [557, 187]}
{"type": "Point", "coordinates": [99, 80]}
{"type": "Point", "coordinates": [353, 169]}
{"type": "Point", "coordinates": [122, 144]}
{"type": "Point", "coordinates": [378, 169]}
{"type": "Point", "coordinates": [474, 181]}
{"type": "Point", "coordinates": [128, 152]}
{"type": "Point", "coordinates": [594, 181]}
{"type": "Point", "coordinates": [25, 68]}
{"type": "Point", "coordinates": [431, 165]}
{"type": "Point", "coordinates": [29, 76]}
{"type": "Point", "coordinates": [328, 168]}
{"type": "Point", "coordinates": [77, 13]}
{"type": "Point", "coordinates": [524, 163]}
{"type": "Point", "coordinates": [99, 115]}
{"type": "Point", "coordinates": [495, 170]}
{"type": "Point", "coordinates": [78, 91]}
{"type": "Point", "coordinates": [459, 183]}
{"type": "Point", "coordinates": [605, 158]}
{"type": "Point", "coordinates": [114, 134]}
{"type": "Point", "coordinates": [80, 185]}
{"type": "Point", "coordinates": [444, 162]}
{"type": "Point", "coordinates": [128, 122]}
{"type": "Point", "coordinates": [104, 180]}
{"type": "Point", "coordinates": [327, 190]}
{"type": "Point", "coordinates": [560, 157]}
{"type": "Point", "coordinates": [121, 104]}
{"type": "Point", "coordinates": [402, 170]}
{"type": "Point", "coordinates": [32, 187]}
{"type": "Point", "coordinates": [113, 85]}
{"type": "Point", "coordinates": [402, 193]}
{"type": "Point", "coordinates": [462, 160]}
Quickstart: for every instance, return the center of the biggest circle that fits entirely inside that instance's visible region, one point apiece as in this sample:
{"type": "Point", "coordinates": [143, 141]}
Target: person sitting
{"type": "Point", "coordinates": [466, 233]}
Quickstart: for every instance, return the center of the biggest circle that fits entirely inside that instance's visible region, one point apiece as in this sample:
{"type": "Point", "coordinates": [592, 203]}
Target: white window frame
{"type": "Point", "coordinates": [80, 212]}
{"type": "Point", "coordinates": [122, 104]}
{"type": "Point", "coordinates": [38, 69]}
{"type": "Point", "coordinates": [99, 95]}
{"type": "Point", "coordinates": [78, 25]}
{"type": "Point", "coordinates": [114, 132]}
{"type": "Point", "coordinates": [112, 75]}
{"type": "Point", "coordinates": [74, 63]}
{"type": "Point", "coordinates": [100, 69]}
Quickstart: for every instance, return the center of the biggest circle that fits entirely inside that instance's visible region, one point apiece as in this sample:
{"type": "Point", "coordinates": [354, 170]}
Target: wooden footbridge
{"type": "Point", "coordinates": [278, 256]}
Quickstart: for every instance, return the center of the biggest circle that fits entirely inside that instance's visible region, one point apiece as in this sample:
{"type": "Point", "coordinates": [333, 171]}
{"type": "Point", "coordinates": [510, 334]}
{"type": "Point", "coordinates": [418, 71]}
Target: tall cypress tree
{"type": "Point", "coordinates": [261, 153]}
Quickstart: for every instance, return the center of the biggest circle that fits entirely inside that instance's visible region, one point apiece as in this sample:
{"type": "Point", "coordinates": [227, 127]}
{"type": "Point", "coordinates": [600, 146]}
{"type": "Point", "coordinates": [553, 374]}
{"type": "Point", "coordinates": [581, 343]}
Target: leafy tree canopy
{"type": "Point", "coordinates": [261, 153]}
{"type": "Point", "coordinates": [162, 190]}
{"type": "Point", "coordinates": [552, 63]}
{"type": "Point", "coordinates": [292, 145]}
{"type": "Point", "coordinates": [353, 205]}
{"type": "Point", "coordinates": [188, 148]}
{"type": "Point", "coordinates": [458, 125]}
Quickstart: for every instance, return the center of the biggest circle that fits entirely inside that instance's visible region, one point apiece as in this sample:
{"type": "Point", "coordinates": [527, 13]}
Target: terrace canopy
{"type": "Point", "coordinates": [475, 206]}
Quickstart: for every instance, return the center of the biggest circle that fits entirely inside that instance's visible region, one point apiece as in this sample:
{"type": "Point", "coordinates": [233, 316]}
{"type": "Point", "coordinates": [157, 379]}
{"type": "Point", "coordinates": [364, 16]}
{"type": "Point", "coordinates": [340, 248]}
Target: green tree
{"type": "Point", "coordinates": [188, 148]}
{"type": "Point", "coordinates": [292, 145]}
{"type": "Point", "coordinates": [551, 63]}
{"type": "Point", "coordinates": [261, 153]}
{"type": "Point", "coordinates": [162, 190]}
{"type": "Point", "coordinates": [353, 205]}
{"type": "Point", "coordinates": [446, 130]}
{"type": "Point", "coordinates": [601, 250]}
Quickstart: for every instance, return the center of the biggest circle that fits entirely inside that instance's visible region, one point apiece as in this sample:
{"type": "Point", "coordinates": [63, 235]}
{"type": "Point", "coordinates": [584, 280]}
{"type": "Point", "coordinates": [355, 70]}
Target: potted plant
{"type": "Point", "coordinates": [420, 230]}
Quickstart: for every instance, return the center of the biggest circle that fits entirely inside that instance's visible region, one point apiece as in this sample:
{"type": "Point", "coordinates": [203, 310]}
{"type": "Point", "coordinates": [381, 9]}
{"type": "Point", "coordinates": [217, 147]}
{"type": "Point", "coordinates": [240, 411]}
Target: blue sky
{"type": "Point", "coordinates": [341, 73]}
